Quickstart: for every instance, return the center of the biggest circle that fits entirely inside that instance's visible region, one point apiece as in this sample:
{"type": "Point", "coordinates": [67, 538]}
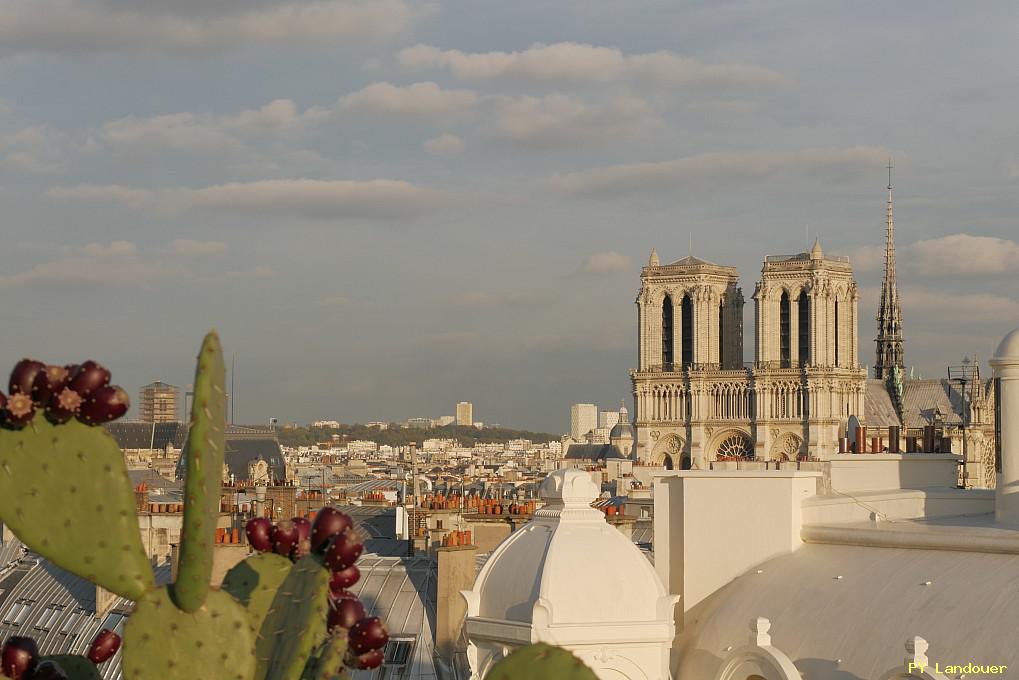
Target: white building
{"type": "Point", "coordinates": [542, 584]}
{"type": "Point", "coordinates": [607, 419]}
{"type": "Point", "coordinates": [464, 414]}
{"type": "Point", "coordinates": [583, 419]}
{"type": "Point", "coordinates": [330, 424]}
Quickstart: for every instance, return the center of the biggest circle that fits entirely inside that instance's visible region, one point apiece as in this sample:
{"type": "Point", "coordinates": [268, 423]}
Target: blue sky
{"type": "Point", "coordinates": [387, 207]}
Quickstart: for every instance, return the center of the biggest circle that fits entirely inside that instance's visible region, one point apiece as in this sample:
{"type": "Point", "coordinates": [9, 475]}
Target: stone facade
{"type": "Point", "coordinates": [697, 402]}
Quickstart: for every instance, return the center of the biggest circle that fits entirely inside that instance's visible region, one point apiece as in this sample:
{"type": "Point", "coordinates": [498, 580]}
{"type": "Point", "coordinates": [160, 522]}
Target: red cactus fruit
{"type": "Point", "coordinates": [369, 660]}
{"type": "Point", "coordinates": [23, 376]}
{"type": "Point", "coordinates": [368, 634]}
{"type": "Point", "coordinates": [19, 656]}
{"type": "Point", "coordinates": [284, 538]}
{"type": "Point", "coordinates": [89, 377]}
{"type": "Point", "coordinates": [20, 410]}
{"type": "Point", "coordinates": [104, 646]}
{"type": "Point", "coordinates": [328, 523]}
{"type": "Point", "coordinates": [259, 533]}
{"type": "Point", "coordinates": [103, 405]}
{"type": "Point", "coordinates": [63, 406]}
{"type": "Point", "coordinates": [343, 550]}
{"type": "Point", "coordinates": [344, 578]}
{"type": "Point", "coordinates": [49, 670]}
{"type": "Point", "coordinates": [345, 613]}
{"type": "Point", "coordinates": [48, 382]}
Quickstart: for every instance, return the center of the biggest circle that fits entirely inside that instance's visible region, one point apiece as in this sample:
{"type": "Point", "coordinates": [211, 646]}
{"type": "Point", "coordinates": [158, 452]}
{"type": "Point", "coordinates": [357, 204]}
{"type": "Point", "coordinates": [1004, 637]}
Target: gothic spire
{"type": "Point", "coordinates": [889, 318]}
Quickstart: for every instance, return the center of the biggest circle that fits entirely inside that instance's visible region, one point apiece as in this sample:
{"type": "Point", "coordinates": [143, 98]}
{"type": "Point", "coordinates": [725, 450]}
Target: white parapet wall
{"type": "Point", "coordinates": [876, 471]}
{"type": "Point", "coordinates": [712, 526]}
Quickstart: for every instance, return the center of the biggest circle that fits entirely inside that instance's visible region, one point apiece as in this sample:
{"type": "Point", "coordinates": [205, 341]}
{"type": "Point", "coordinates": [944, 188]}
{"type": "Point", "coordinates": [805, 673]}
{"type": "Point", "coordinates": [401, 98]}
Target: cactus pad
{"type": "Point", "coordinates": [301, 604]}
{"type": "Point", "coordinates": [76, 667]}
{"type": "Point", "coordinates": [65, 493]}
{"type": "Point", "coordinates": [329, 664]}
{"type": "Point", "coordinates": [214, 641]}
{"type": "Point", "coordinates": [538, 662]}
{"type": "Point", "coordinates": [254, 582]}
{"type": "Point", "coordinates": [204, 477]}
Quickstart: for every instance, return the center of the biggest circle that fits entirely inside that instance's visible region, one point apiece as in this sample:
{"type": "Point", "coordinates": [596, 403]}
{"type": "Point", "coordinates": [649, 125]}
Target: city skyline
{"type": "Point", "coordinates": [456, 205]}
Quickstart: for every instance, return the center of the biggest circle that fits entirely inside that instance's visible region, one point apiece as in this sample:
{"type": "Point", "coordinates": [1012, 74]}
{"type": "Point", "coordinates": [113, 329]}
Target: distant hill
{"type": "Point", "coordinates": [397, 436]}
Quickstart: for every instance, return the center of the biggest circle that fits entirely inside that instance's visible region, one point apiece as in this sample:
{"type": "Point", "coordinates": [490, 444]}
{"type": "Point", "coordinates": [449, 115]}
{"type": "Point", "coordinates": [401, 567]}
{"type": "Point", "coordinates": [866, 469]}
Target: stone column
{"type": "Point", "coordinates": [1006, 370]}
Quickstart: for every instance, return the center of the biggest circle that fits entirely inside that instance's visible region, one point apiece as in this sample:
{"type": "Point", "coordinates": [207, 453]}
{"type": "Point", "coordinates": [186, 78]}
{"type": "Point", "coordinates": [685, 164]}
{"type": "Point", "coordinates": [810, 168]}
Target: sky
{"type": "Point", "coordinates": [387, 207]}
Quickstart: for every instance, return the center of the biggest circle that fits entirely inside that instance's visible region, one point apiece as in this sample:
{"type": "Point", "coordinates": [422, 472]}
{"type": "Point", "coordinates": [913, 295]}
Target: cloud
{"type": "Point", "coordinates": [495, 299]}
{"type": "Point", "coordinates": [952, 255]}
{"type": "Point", "coordinates": [420, 100]}
{"type": "Point", "coordinates": [313, 199]}
{"type": "Point", "coordinates": [445, 143]}
{"type": "Point", "coordinates": [207, 133]}
{"type": "Point", "coordinates": [706, 169]}
{"type": "Point", "coordinates": [963, 308]}
{"type": "Point", "coordinates": [189, 248]}
{"type": "Point", "coordinates": [255, 273]}
{"type": "Point", "coordinates": [84, 26]}
{"type": "Point", "coordinates": [576, 62]}
{"type": "Point", "coordinates": [334, 301]}
{"type": "Point", "coordinates": [560, 121]}
{"type": "Point", "coordinates": [964, 255]}
{"type": "Point", "coordinates": [37, 149]}
{"type": "Point", "coordinates": [116, 263]}
{"type": "Point", "coordinates": [609, 262]}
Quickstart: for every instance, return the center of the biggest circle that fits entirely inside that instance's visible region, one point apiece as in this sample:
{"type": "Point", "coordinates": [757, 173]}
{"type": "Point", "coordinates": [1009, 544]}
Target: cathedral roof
{"type": "Point", "coordinates": [690, 260]}
{"type": "Point", "coordinates": [593, 452]}
{"type": "Point", "coordinates": [921, 399]}
{"type": "Point", "coordinates": [880, 411]}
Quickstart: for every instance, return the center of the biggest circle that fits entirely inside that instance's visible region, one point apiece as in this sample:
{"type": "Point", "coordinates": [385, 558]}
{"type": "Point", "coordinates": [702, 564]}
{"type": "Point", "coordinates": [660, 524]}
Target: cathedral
{"type": "Point", "coordinates": [697, 402]}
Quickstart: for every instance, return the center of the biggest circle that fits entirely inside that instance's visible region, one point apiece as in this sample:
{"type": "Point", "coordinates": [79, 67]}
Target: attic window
{"type": "Point", "coordinates": [397, 652]}
{"type": "Point", "coordinates": [17, 614]}
{"type": "Point", "coordinates": [49, 617]}
{"type": "Point", "coordinates": [71, 621]}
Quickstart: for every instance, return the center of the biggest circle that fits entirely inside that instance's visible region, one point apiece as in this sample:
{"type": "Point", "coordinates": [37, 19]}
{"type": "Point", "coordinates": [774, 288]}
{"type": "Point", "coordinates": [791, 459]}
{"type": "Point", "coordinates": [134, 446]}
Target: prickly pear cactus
{"type": "Point", "coordinates": [301, 603]}
{"type": "Point", "coordinates": [162, 641]}
{"type": "Point", "coordinates": [254, 582]}
{"type": "Point", "coordinates": [203, 481]}
{"type": "Point", "coordinates": [65, 492]}
{"type": "Point", "coordinates": [540, 662]}
{"type": "Point", "coordinates": [76, 667]}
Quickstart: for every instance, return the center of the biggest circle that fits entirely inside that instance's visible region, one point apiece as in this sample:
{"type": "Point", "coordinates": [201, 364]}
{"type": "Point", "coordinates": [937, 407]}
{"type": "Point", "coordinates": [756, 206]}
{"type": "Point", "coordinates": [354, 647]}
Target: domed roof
{"type": "Point", "coordinates": [622, 429]}
{"type": "Point", "coordinates": [1009, 346]}
{"type": "Point", "coordinates": [568, 566]}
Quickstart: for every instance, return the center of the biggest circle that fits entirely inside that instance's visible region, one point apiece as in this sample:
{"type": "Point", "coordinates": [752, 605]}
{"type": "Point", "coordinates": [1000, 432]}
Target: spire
{"type": "Point", "coordinates": [816, 253]}
{"type": "Point", "coordinates": [653, 260]}
{"type": "Point", "coordinates": [889, 318]}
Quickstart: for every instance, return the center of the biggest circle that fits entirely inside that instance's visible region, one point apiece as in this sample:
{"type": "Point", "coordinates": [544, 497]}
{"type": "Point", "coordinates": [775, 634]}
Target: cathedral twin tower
{"type": "Point", "coordinates": [696, 401]}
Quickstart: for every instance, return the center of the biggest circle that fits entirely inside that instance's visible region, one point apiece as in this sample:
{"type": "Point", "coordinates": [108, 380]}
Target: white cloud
{"type": "Point", "coordinates": [334, 301]}
{"type": "Point", "coordinates": [560, 121]}
{"type": "Point", "coordinates": [959, 308]}
{"type": "Point", "coordinates": [37, 149]}
{"type": "Point", "coordinates": [190, 248]}
{"type": "Point", "coordinates": [82, 26]}
{"type": "Point", "coordinates": [577, 62]}
{"type": "Point", "coordinates": [445, 143]}
{"type": "Point", "coordinates": [420, 100]}
{"type": "Point", "coordinates": [308, 198]}
{"type": "Point", "coordinates": [609, 262]}
{"type": "Point", "coordinates": [116, 263]}
{"type": "Point", "coordinates": [704, 169]}
{"type": "Point", "coordinates": [964, 255]}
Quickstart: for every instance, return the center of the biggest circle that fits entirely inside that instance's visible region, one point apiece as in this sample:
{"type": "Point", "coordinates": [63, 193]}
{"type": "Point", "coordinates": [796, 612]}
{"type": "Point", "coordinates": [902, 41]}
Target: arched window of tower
{"type": "Point", "coordinates": [783, 330]}
{"type": "Point", "coordinates": [687, 328]}
{"type": "Point", "coordinates": [667, 356]}
{"type": "Point", "coordinates": [804, 329]}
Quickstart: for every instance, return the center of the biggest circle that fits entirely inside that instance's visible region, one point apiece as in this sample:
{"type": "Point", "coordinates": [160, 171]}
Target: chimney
{"type": "Point", "coordinates": [456, 573]}
{"type": "Point", "coordinates": [1006, 378]}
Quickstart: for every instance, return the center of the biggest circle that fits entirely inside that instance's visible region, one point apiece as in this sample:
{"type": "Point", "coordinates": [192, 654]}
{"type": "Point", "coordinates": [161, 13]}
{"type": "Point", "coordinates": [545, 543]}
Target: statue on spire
{"type": "Point", "coordinates": [889, 318]}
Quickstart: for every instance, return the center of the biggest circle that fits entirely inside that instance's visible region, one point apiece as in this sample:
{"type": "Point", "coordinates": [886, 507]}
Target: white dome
{"type": "Point", "coordinates": [1009, 346]}
{"type": "Point", "coordinates": [569, 565]}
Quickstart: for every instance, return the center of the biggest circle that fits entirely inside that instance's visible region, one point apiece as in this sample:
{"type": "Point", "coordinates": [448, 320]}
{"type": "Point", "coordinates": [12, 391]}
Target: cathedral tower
{"type": "Point", "coordinates": [889, 317]}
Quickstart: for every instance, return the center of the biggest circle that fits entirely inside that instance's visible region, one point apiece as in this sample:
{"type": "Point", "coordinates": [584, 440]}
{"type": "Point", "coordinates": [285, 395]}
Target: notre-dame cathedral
{"type": "Point", "coordinates": [697, 401]}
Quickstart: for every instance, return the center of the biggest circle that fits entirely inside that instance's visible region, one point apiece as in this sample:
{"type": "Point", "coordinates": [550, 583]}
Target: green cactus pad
{"type": "Point", "coordinates": [216, 640]}
{"type": "Point", "coordinates": [329, 664]}
{"type": "Point", "coordinates": [254, 582]}
{"type": "Point", "coordinates": [538, 662]}
{"type": "Point", "coordinates": [296, 622]}
{"type": "Point", "coordinates": [204, 477]}
{"type": "Point", "coordinates": [76, 667]}
{"type": "Point", "coordinates": [65, 493]}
